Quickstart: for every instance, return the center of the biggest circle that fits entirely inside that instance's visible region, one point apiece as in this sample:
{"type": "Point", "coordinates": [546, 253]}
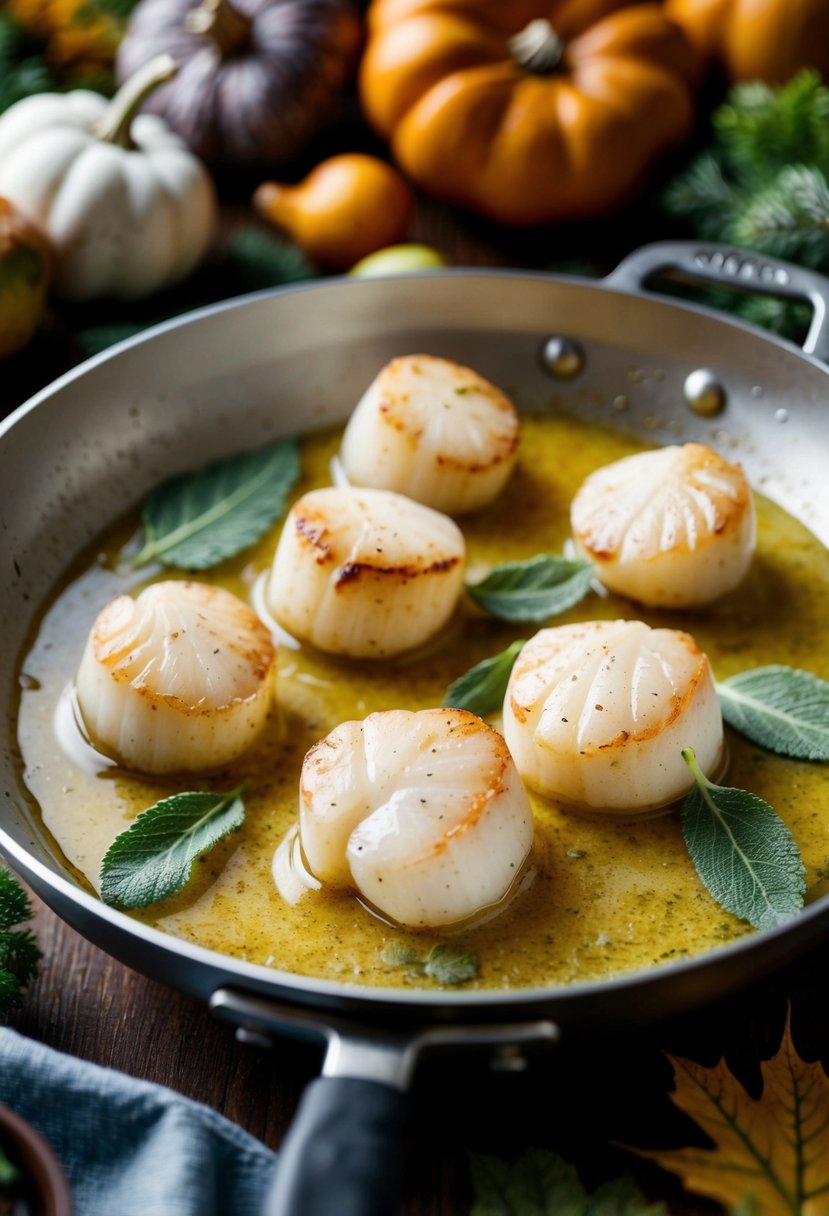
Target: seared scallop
{"type": "Point", "coordinates": [180, 678]}
{"type": "Point", "coordinates": [596, 715]}
{"type": "Point", "coordinates": [423, 814]}
{"type": "Point", "coordinates": [434, 430]}
{"type": "Point", "coordinates": [670, 528]}
{"type": "Point", "coordinates": [365, 573]}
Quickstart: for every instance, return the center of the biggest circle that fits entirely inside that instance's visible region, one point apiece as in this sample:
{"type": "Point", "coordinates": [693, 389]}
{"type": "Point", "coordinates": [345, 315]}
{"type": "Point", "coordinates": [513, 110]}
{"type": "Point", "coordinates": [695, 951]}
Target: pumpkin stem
{"type": "Point", "coordinates": [229, 29]}
{"type": "Point", "coordinates": [538, 49]}
{"type": "Point", "coordinates": [116, 121]}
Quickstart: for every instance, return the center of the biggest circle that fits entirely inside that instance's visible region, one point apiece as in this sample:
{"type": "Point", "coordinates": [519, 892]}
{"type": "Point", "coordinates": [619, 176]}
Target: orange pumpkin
{"type": "Point", "coordinates": [757, 39]}
{"type": "Point", "coordinates": [529, 111]}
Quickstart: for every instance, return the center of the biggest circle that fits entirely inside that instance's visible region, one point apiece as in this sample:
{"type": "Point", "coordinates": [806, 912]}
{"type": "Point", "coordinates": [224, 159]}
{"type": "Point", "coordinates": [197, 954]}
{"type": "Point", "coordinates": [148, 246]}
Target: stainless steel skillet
{"type": "Point", "coordinates": [238, 374]}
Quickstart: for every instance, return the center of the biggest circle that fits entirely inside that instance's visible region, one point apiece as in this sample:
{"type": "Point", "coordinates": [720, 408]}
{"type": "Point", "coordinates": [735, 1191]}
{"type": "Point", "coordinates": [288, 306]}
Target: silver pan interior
{"type": "Point", "coordinates": [243, 373]}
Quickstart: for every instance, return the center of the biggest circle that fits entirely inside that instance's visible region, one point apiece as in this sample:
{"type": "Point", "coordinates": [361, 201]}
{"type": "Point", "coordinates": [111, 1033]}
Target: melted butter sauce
{"type": "Point", "coordinates": [608, 895]}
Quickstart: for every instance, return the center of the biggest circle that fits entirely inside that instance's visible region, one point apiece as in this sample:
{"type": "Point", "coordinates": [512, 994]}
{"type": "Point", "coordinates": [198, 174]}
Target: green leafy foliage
{"type": "Point", "coordinates": [481, 690]}
{"type": "Point", "coordinates": [192, 521]}
{"type": "Point", "coordinates": [742, 851]}
{"type": "Point", "coordinates": [23, 69]}
{"type": "Point", "coordinates": [153, 858]}
{"type": "Point", "coordinates": [782, 709]}
{"type": "Point", "coordinates": [9, 1173]}
{"type": "Point", "coordinates": [541, 1183]}
{"type": "Point", "coordinates": [763, 181]}
{"type": "Point", "coordinates": [445, 964]}
{"type": "Point", "coordinates": [19, 951]}
{"type": "Point", "coordinates": [532, 590]}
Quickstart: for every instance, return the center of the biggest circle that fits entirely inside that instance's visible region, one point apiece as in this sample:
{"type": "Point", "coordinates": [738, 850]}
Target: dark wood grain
{"type": "Point", "coordinates": [579, 1101]}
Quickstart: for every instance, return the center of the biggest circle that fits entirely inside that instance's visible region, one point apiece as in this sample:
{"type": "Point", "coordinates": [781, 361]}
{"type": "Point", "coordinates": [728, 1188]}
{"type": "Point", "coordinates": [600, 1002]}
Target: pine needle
{"type": "Point", "coordinates": [761, 129]}
{"type": "Point", "coordinates": [763, 184]}
{"type": "Point", "coordinates": [14, 902]}
{"type": "Point", "coordinates": [19, 951]}
{"type": "Point", "coordinates": [789, 218]}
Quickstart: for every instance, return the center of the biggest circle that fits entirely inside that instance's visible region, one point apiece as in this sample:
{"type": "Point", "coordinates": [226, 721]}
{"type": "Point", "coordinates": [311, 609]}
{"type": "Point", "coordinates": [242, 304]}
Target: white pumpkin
{"type": "Point", "coordinates": [127, 208]}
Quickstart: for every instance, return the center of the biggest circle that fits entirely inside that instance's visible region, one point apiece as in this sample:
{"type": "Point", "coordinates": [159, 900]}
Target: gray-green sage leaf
{"type": "Point", "coordinates": [782, 709]}
{"type": "Point", "coordinates": [742, 851]}
{"type": "Point", "coordinates": [153, 858]}
{"type": "Point", "coordinates": [194, 520]}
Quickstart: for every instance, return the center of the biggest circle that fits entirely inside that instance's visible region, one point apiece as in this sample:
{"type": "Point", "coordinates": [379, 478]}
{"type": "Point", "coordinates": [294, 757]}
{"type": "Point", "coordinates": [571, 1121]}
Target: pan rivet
{"type": "Point", "coordinates": [703, 393]}
{"type": "Point", "coordinates": [562, 357]}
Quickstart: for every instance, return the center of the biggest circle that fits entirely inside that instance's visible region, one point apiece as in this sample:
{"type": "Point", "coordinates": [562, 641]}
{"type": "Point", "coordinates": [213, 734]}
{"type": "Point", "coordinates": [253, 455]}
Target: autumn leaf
{"type": "Point", "coordinates": [774, 1149]}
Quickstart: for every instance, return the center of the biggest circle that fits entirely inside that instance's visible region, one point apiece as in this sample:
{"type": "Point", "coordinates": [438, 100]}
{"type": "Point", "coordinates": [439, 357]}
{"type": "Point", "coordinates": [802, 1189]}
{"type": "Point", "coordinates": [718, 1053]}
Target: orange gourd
{"type": "Point", "coordinates": [757, 39]}
{"type": "Point", "coordinates": [348, 207]}
{"type": "Point", "coordinates": [529, 111]}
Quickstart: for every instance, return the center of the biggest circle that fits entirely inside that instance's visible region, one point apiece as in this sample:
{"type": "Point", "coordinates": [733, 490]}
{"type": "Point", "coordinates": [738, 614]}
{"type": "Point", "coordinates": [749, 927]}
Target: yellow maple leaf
{"type": "Point", "coordinates": [774, 1149]}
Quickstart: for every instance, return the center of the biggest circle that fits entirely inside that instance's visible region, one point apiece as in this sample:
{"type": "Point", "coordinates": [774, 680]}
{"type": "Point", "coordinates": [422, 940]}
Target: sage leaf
{"type": "Point", "coordinates": [533, 590]}
{"type": "Point", "coordinates": [154, 857]}
{"type": "Point", "coordinates": [481, 690]}
{"type": "Point", "coordinates": [782, 709]}
{"type": "Point", "coordinates": [444, 963]}
{"type": "Point", "coordinates": [743, 851]}
{"type": "Point", "coordinates": [450, 965]}
{"type": "Point", "coordinates": [397, 954]}
{"type": "Point", "coordinates": [194, 520]}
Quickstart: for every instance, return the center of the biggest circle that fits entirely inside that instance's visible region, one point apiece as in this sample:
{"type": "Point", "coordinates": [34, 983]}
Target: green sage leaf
{"type": "Point", "coordinates": [154, 857]}
{"type": "Point", "coordinates": [444, 964]}
{"type": "Point", "coordinates": [743, 851]}
{"type": "Point", "coordinates": [481, 690]}
{"type": "Point", "coordinates": [533, 590]}
{"type": "Point", "coordinates": [782, 709]}
{"type": "Point", "coordinates": [194, 520]}
{"type": "Point", "coordinates": [450, 965]}
{"type": "Point", "coordinates": [398, 954]}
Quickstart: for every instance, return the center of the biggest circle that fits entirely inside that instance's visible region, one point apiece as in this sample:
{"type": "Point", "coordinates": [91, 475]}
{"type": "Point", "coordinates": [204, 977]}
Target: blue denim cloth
{"type": "Point", "coordinates": [130, 1148]}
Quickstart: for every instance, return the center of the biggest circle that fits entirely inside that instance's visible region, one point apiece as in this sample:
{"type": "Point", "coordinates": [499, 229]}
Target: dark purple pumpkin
{"type": "Point", "coordinates": [257, 78]}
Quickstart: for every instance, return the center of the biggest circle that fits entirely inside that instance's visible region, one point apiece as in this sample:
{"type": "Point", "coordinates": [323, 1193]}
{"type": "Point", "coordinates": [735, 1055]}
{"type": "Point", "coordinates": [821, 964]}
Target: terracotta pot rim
{"type": "Point", "coordinates": [39, 1163]}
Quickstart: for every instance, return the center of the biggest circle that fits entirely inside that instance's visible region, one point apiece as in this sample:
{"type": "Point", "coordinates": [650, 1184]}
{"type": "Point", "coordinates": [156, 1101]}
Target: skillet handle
{"type": "Point", "coordinates": [344, 1153]}
{"type": "Point", "coordinates": [728, 266]}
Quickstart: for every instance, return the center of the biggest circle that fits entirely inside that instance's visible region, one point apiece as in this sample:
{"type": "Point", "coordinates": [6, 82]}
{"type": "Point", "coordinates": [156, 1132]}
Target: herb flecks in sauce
{"type": "Point", "coordinates": [633, 899]}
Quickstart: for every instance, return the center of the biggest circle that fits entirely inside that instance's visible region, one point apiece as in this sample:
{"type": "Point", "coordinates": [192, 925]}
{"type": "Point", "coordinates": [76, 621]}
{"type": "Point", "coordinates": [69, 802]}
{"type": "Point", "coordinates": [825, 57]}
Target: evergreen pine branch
{"type": "Point", "coordinates": [789, 218]}
{"type": "Point", "coordinates": [789, 318]}
{"type": "Point", "coordinates": [760, 130]}
{"type": "Point", "coordinates": [704, 196]}
{"type": "Point", "coordinates": [9, 991]}
{"type": "Point", "coordinates": [19, 952]}
{"type": "Point", "coordinates": [763, 184]}
{"type": "Point", "coordinates": [14, 902]}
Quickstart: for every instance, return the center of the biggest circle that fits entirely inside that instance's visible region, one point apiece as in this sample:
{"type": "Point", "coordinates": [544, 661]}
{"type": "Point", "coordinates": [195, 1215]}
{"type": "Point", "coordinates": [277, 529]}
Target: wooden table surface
{"type": "Point", "coordinates": [577, 1100]}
